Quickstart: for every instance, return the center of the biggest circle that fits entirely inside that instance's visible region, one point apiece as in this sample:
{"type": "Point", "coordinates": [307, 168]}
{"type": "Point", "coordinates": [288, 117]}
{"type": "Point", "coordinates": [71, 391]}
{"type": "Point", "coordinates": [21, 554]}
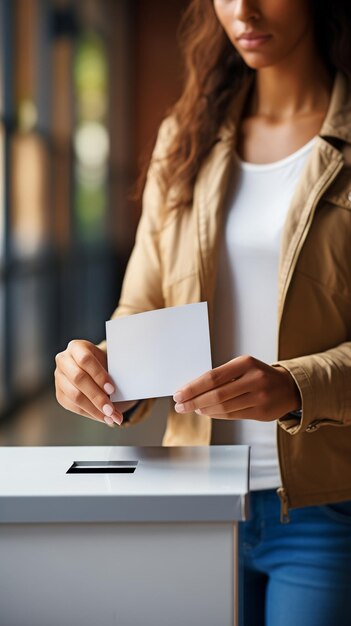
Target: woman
{"type": "Point", "coordinates": [247, 205]}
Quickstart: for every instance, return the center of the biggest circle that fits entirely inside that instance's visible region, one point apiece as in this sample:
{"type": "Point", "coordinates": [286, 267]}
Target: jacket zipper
{"type": "Point", "coordinates": [281, 491]}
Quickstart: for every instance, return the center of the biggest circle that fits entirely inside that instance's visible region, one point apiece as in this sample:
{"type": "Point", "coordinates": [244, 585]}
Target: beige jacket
{"type": "Point", "coordinates": [174, 262]}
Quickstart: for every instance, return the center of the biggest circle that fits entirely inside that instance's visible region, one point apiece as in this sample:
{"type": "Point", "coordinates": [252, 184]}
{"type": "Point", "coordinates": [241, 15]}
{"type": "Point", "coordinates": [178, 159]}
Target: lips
{"type": "Point", "coordinates": [253, 40]}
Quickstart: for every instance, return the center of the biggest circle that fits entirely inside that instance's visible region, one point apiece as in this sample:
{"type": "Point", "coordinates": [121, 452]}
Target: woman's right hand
{"type": "Point", "coordinates": [83, 384]}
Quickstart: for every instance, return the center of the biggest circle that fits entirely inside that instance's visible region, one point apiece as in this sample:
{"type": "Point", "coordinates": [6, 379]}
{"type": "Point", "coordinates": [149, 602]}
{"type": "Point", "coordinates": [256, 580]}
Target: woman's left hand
{"type": "Point", "coordinates": [244, 388]}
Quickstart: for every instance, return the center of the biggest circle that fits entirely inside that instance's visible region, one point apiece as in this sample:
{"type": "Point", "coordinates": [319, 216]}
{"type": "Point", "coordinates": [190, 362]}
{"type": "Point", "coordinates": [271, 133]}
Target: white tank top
{"type": "Point", "coordinates": [245, 311]}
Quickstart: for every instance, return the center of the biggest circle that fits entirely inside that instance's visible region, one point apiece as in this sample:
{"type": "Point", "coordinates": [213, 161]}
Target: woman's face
{"type": "Point", "coordinates": [273, 28]}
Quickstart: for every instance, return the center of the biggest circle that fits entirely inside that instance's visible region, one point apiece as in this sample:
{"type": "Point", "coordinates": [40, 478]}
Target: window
{"type": "Point", "coordinates": [30, 209]}
{"type": "Point", "coordinates": [91, 139]}
{"type": "Point", "coordinates": [59, 271]}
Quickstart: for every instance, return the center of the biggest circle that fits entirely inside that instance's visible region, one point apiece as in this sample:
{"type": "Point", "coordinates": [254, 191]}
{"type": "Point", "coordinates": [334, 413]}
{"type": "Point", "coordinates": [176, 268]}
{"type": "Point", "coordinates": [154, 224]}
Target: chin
{"type": "Point", "coordinates": [259, 62]}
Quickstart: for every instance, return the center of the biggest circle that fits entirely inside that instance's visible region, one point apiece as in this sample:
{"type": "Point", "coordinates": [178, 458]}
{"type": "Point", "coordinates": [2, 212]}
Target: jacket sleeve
{"type": "Point", "coordinates": [142, 283]}
{"type": "Point", "coordinates": [324, 382]}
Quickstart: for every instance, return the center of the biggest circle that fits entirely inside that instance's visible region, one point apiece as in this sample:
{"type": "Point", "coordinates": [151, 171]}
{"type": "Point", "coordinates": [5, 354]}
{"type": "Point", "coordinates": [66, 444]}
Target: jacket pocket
{"type": "Point", "coordinates": [326, 254]}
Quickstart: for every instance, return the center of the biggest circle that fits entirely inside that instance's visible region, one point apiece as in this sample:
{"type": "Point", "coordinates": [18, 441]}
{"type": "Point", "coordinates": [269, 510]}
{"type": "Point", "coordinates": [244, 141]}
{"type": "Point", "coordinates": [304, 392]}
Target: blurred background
{"type": "Point", "coordinates": [84, 85]}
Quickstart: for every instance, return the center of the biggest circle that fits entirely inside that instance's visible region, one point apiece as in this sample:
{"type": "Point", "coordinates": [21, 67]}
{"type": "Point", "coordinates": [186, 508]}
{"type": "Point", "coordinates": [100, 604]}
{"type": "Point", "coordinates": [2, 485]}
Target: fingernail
{"type": "Point", "coordinates": [177, 396]}
{"type": "Point", "coordinates": [179, 408]}
{"type": "Point", "coordinates": [109, 388]}
{"type": "Point", "coordinates": [107, 409]}
{"type": "Point", "coordinates": [117, 419]}
{"type": "Point", "coordinates": [198, 411]}
{"type": "Point", "coordinates": [109, 421]}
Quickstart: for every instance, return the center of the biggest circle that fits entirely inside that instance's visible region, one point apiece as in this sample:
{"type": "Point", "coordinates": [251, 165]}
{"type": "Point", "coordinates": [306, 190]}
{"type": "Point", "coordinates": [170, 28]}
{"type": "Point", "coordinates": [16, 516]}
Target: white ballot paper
{"type": "Point", "coordinates": [155, 353]}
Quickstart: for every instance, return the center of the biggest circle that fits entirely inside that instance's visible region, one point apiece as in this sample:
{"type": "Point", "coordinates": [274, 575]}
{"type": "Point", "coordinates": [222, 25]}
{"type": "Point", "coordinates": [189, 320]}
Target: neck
{"type": "Point", "coordinates": [298, 85]}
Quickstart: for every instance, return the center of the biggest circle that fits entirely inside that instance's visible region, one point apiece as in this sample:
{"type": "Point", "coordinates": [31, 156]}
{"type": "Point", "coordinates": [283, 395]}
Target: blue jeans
{"type": "Point", "coordinates": [296, 574]}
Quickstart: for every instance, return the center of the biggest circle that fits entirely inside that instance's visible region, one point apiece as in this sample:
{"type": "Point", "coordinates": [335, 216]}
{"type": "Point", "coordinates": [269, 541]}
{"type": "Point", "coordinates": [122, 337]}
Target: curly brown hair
{"type": "Point", "coordinates": [214, 72]}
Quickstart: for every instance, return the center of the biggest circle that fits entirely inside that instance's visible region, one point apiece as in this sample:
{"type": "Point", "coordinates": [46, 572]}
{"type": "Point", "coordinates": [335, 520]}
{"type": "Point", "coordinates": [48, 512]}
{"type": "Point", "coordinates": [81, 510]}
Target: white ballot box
{"type": "Point", "coordinates": [127, 536]}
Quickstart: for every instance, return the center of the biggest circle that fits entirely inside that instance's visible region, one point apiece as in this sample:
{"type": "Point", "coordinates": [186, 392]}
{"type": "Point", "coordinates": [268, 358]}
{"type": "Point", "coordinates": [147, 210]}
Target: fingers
{"type": "Point", "coordinates": [83, 384]}
{"type": "Point", "coordinates": [244, 388]}
{"type": "Point", "coordinates": [86, 356]}
{"type": "Point", "coordinates": [223, 410]}
{"type": "Point", "coordinates": [244, 414]}
{"type": "Point", "coordinates": [66, 402]}
{"type": "Point", "coordinates": [216, 377]}
{"type": "Point", "coordinates": [79, 403]}
{"type": "Point", "coordinates": [86, 386]}
{"type": "Point", "coordinates": [215, 397]}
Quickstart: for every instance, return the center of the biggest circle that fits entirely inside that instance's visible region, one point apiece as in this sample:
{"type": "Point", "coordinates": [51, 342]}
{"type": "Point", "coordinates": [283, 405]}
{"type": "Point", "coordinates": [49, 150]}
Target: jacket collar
{"type": "Point", "coordinates": [337, 122]}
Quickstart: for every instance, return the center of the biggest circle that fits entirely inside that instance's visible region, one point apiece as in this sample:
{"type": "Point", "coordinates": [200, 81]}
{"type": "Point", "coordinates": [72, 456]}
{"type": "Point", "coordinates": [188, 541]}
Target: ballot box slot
{"type": "Point", "coordinates": [102, 467]}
